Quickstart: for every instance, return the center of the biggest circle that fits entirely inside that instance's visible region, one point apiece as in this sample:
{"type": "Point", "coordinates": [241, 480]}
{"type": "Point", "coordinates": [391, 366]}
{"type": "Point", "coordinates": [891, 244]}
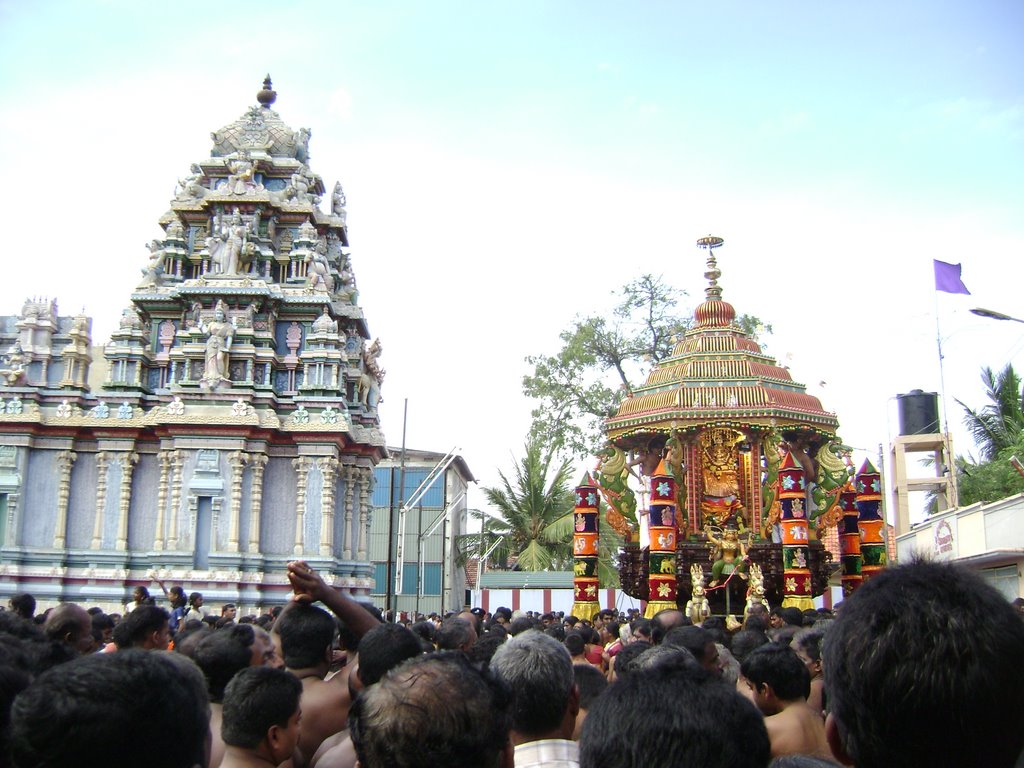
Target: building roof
{"type": "Point", "coordinates": [717, 374]}
{"type": "Point", "coordinates": [414, 456]}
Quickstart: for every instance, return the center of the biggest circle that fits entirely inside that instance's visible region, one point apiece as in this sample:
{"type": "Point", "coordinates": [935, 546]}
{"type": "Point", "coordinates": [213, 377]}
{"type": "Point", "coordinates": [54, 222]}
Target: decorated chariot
{"type": "Point", "coordinates": [722, 475]}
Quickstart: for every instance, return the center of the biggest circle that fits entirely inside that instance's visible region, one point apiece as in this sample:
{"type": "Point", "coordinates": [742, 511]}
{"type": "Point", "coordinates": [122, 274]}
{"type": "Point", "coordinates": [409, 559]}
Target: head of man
{"type": "Point", "coordinates": [71, 624]}
{"type": "Point", "coordinates": [433, 710]}
{"type": "Point", "coordinates": [264, 650]}
{"type": "Point", "coordinates": [261, 713]}
{"type": "Point", "coordinates": [228, 611]}
{"type": "Point", "coordinates": [538, 669]}
{"type": "Point", "coordinates": [307, 635]}
{"type": "Point", "coordinates": [195, 599]}
{"type": "Point", "coordinates": [147, 628]}
{"type": "Point", "coordinates": [222, 653]}
{"type": "Point", "coordinates": [707, 724]}
{"type": "Point", "coordinates": [663, 621]}
{"type": "Point", "coordinates": [86, 708]}
{"type": "Point", "coordinates": [942, 633]}
{"type": "Point", "coordinates": [775, 676]}
{"type": "Point", "coordinates": [455, 634]}
{"type": "Point", "coordinates": [24, 605]}
{"type": "Point", "coordinates": [591, 684]}
{"type": "Point", "coordinates": [807, 644]}
{"type": "Point", "coordinates": [383, 648]}
{"type": "Point", "coordinates": [697, 641]}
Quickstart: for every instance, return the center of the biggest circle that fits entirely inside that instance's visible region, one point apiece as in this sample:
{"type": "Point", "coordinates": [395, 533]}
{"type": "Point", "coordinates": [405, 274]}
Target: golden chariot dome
{"type": "Point", "coordinates": [717, 374]}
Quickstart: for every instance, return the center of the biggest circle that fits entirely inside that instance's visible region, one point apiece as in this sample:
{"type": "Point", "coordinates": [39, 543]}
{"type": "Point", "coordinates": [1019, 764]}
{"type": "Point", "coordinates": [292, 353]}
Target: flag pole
{"type": "Point", "coordinates": [950, 468]}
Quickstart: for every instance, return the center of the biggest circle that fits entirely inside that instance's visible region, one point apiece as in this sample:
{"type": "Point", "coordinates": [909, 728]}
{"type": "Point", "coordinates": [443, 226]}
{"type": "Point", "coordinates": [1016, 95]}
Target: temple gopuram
{"type": "Point", "coordinates": [740, 472]}
{"type": "Point", "coordinates": [231, 423]}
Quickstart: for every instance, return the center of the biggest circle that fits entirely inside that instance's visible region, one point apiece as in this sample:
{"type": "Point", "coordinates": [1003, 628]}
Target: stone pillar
{"type": "Point", "coordinates": [365, 480]}
{"type": "Point", "coordinates": [328, 467]}
{"type": "Point", "coordinates": [258, 462]}
{"type": "Point", "coordinates": [65, 459]}
{"type": "Point", "coordinates": [161, 500]}
{"type": "Point", "coordinates": [124, 499]}
{"type": "Point", "coordinates": [101, 499]}
{"type": "Point", "coordinates": [301, 465]}
{"type": "Point", "coordinates": [237, 460]}
{"type": "Point", "coordinates": [177, 464]}
{"type": "Point", "coordinates": [350, 474]}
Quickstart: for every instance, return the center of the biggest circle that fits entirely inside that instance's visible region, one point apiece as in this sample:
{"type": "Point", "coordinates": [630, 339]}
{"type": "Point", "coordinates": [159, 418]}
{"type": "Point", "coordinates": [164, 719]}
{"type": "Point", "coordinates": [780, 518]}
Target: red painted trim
{"type": "Point", "coordinates": [485, 599]}
{"type": "Point", "coordinates": [609, 598]}
{"type": "Point", "coordinates": [547, 601]}
{"type": "Point", "coordinates": [515, 599]}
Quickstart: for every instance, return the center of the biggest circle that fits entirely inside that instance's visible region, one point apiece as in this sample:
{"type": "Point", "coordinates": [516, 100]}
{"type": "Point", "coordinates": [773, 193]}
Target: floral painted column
{"type": "Point", "coordinates": [661, 578]}
{"type": "Point", "coordinates": [796, 575]}
{"type": "Point", "coordinates": [584, 551]}
{"type": "Point", "coordinates": [872, 536]}
{"type": "Point", "coordinates": [849, 540]}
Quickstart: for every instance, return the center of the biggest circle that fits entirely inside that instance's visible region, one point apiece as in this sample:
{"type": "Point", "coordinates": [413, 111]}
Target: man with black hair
{"type": "Point", "coordinates": [307, 637]}
{"type": "Point", "coordinates": [545, 699]}
{"type": "Point", "coordinates": [807, 644]}
{"type": "Point", "coordinates": [687, 718]}
{"type": "Point", "coordinates": [591, 684]}
{"type": "Point", "coordinates": [779, 684]}
{"type": "Point", "coordinates": [923, 667]}
{"type": "Point", "coordinates": [699, 642]}
{"type": "Point", "coordinates": [71, 624]}
{"type": "Point", "coordinates": [24, 605]}
{"type": "Point", "coordinates": [147, 628]}
{"type": "Point", "coordinates": [384, 648]}
{"type": "Point", "coordinates": [623, 662]}
{"type": "Point", "coordinates": [455, 634]}
{"type": "Point", "coordinates": [261, 722]}
{"type": "Point", "coordinates": [83, 712]}
{"type": "Point", "coordinates": [433, 711]}
{"type": "Point", "coordinates": [221, 654]}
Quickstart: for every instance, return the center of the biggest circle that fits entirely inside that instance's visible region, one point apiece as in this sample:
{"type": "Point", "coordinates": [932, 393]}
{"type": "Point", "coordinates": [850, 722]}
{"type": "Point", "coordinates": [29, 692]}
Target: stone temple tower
{"type": "Point", "coordinates": [236, 425]}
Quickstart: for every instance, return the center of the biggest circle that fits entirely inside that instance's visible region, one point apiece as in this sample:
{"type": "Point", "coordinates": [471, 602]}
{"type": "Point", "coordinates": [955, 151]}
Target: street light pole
{"type": "Point", "coordinates": [991, 314]}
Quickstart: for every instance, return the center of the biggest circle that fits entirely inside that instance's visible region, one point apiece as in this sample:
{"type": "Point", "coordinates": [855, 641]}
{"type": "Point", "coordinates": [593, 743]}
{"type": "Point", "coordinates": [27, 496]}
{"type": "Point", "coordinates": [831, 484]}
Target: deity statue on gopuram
{"type": "Point", "coordinates": [737, 469]}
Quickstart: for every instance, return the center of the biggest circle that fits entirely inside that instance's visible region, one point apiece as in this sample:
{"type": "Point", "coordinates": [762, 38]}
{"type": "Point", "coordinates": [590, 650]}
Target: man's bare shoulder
{"type": "Point", "coordinates": [340, 755]}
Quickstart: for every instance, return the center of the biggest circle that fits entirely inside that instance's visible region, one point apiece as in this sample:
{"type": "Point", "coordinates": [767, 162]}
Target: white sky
{"type": "Point", "coordinates": [507, 169]}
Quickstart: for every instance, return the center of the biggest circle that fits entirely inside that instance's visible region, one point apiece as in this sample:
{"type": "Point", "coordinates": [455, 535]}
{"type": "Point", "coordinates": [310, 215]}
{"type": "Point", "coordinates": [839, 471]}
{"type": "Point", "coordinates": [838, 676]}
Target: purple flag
{"type": "Point", "coordinates": [947, 278]}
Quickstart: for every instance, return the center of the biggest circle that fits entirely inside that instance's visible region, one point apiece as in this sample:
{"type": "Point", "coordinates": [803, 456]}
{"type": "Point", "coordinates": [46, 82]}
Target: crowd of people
{"type": "Point", "coordinates": [920, 666]}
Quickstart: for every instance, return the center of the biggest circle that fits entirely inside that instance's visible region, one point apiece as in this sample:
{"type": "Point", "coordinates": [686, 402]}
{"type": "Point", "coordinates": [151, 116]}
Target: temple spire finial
{"type": "Point", "coordinates": [268, 95]}
{"type": "Point", "coordinates": [714, 290]}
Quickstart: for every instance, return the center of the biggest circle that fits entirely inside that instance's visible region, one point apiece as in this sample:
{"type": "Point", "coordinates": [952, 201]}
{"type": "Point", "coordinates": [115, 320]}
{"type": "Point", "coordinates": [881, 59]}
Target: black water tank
{"type": "Point", "coordinates": [919, 413]}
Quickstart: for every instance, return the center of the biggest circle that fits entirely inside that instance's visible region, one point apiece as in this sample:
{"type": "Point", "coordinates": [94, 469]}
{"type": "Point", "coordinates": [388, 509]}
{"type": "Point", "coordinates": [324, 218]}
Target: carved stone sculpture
{"type": "Point", "coordinates": [318, 272]}
{"type": "Point", "coordinates": [368, 390]}
{"type": "Point", "coordinates": [338, 201]}
{"type": "Point", "coordinates": [230, 246]}
{"type": "Point", "coordinates": [154, 269]}
{"type": "Point", "coordinates": [192, 185]}
{"type": "Point", "coordinates": [218, 345]}
{"type": "Point", "coordinates": [13, 372]}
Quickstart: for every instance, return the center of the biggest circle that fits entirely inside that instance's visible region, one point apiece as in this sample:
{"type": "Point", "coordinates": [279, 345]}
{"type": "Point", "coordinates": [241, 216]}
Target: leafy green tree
{"type": "Point", "coordinates": [532, 511]}
{"type": "Point", "coordinates": [999, 424]}
{"type": "Point", "coordinates": [998, 432]}
{"type": "Point", "coordinates": [991, 480]}
{"type": "Point", "coordinates": [602, 359]}
{"type": "Point", "coordinates": [533, 521]}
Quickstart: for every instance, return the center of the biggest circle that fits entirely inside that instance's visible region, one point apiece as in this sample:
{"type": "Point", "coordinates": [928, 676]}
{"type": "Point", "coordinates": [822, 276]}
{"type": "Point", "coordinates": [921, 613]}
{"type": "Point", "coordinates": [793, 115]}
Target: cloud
{"type": "Point", "coordinates": [339, 104]}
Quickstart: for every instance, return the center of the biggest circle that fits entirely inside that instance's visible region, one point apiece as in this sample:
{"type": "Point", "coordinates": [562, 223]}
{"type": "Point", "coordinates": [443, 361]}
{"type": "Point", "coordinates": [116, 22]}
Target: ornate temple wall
{"type": "Point", "coordinates": [38, 500]}
{"type": "Point", "coordinates": [145, 488]}
{"type": "Point", "coordinates": [230, 422]}
{"type": "Point", "coordinates": [279, 510]}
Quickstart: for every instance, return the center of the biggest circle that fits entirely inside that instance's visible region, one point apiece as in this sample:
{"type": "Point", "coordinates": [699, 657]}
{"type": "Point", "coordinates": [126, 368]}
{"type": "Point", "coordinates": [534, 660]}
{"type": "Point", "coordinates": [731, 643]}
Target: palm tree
{"type": "Point", "coordinates": [999, 424]}
{"type": "Point", "coordinates": [533, 520]}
